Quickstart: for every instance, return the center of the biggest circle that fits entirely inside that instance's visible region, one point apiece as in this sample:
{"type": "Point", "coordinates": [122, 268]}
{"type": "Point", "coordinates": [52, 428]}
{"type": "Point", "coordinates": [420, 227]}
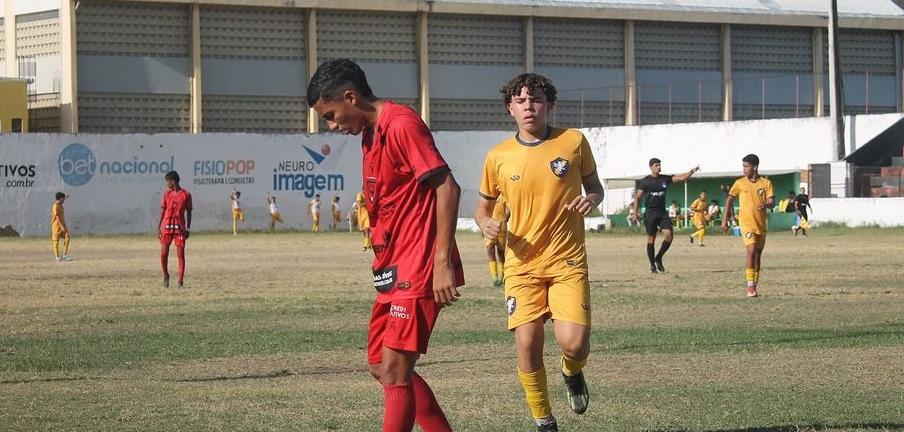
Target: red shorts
{"type": "Point", "coordinates": [169, 237]}
{"type": "Point", "coordinates": [403, 325]}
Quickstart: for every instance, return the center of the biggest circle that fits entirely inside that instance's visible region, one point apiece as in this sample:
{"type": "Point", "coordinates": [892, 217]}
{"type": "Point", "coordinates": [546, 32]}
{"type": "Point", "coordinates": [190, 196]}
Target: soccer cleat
{"type": "Point", "coordinates": [751, 292]}
{"type": "Point", "coordinates": [181, 285]}
{"type": "Point", "coordinates": [795, 228]}
{"type": "Point", "coordinates": [548, 425]}
{"type": "Point", "coordinates": [66, 258]}
{"type": "Point", "coordinates": [692, 238]}
{"type": "Point", "coordinates": [653, 269]}
{"type": "Point", "coordinates": [57, 259]}
{"type": "Point", "coordinates": [166, 282]}
{"type": "Point", "coordinates": [577, 393]}
{"type": "Point", "coordinates": [659, 266]}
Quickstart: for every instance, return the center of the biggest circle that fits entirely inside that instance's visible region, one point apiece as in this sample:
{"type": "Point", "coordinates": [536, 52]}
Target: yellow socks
{"type": "Point", "coordinates": [56, 249]}
{"type": "Point", "coordinates": [494, 270]}
{"type": "Point", "coordinates": [700, 234]}
{"type": "Point", "coordinates": [751, 275]}
{"type": "Point", "coordinates": [572, 367]}
{"type": "Point", "coordinates": [500, 271]}
{"type": "Point", "coordinates": [536, 392]}
{"type": "Point", "coordinates": [66, 245]}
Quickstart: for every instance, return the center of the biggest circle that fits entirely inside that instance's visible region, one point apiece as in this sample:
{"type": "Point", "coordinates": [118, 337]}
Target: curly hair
{"type": "Point", "coordinates": [533, 82]}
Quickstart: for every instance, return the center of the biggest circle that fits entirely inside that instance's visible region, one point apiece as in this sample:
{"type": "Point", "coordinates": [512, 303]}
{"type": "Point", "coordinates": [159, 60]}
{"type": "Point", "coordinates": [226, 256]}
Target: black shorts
{"type": "Point", "coordinates": [803, 214]}
{"type": "Point", "coordinates": [656, 220]}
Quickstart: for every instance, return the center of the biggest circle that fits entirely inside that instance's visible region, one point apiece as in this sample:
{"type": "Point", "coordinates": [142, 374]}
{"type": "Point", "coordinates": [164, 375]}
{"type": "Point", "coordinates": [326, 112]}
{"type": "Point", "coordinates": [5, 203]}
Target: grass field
{"type": "Point", "coordinates": [270, 333]}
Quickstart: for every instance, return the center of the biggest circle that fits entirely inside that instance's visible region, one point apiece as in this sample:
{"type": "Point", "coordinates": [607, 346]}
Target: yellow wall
{"type": "Point", "coordinates": [13, 104]}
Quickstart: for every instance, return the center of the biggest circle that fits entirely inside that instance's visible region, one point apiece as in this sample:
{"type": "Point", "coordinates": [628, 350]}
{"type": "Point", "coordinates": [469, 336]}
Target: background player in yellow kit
{"type": "Point", "coordinates": [540, 172]}
{"type": "Point", "coordinates": [699, 213]}
{"type": "Point", "coordinates": [756, 196]}
{"type": "Point", "coordinates": [496, 247]}
{"type": "Point", "coordinates": [58, 228]}
{"type": "Point", "coordinates": [314, 210]}
{"type": "Point", "coordinates": [363, 219]}
{"type": "Point", "coordinates": [237, 213]}
{"type": "Point", "coordinates": [274, 211]}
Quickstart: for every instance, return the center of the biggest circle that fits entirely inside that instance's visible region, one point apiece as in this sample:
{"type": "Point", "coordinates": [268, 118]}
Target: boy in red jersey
{"type": "Point", "coordinates": [412, 202]}
{"type": "Point", "coordinates": [174, 224]}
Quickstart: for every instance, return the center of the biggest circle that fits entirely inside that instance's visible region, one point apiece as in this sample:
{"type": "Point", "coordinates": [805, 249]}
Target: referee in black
{"type": "Point", "coordinates": [656, 218]}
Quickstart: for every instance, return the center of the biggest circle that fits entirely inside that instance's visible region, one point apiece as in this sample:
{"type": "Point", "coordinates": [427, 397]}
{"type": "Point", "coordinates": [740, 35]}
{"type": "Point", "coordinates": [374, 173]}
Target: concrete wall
{"type": "Point", "coordinates": [884, 212]}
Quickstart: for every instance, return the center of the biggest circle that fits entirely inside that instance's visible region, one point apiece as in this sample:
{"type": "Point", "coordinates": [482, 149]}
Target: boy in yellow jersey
{"type": "Point", "coordinates": [699, 212]}
{"type": "Point", "coordinates": [540, 172]}
{"type": "Point", "coordinates": [314, 206]}
{"type": "Point", "coordinates": [756, 196]}
{"type": "Point", "coordinates": [274, 211]}
{"type": "Point", "coordinates": [237, 213]}
{"type": "Point", "coordinates": [337, 214]}
{"type": "Point", "coordinates": [58, 228]}
{"type": "Point", "coordinates": [496, 247]}
{"type": "Point", "coordinates": [363, 219]}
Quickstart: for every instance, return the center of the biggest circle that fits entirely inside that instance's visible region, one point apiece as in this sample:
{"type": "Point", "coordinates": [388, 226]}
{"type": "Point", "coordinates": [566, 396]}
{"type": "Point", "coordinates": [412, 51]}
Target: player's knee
{"type": "Point", "coordinates": [577, 349]}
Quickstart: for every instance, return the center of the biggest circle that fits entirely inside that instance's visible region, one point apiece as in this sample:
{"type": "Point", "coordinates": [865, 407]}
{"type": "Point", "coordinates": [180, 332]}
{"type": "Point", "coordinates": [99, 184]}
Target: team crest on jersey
{"type": "Point", "coordinates": [559, 167]}
{"type": "Point", "coordinates": [510, 305]}
{"type": "Point", "coordinates": [760, 191]}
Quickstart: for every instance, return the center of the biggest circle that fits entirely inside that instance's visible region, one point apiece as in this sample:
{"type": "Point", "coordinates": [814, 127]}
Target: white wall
{"type": "Point", "coordinates": [884, 212]}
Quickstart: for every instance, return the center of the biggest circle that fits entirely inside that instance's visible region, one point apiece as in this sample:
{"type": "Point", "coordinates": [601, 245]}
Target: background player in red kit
{"type": "Point", "coordinates": [412, 200]}
{"type": "Point", "coordinates": [174, 224]}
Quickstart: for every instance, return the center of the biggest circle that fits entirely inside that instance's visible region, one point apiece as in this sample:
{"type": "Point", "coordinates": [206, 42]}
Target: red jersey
{"type": "Point", "coordinates": [174, 205]}
{"type": "Point", "coordinates": [399, 155]}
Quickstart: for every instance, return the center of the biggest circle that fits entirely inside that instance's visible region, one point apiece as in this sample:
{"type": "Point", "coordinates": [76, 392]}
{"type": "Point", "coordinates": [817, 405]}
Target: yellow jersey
{"type": "Point", "coordinates": [56, 217]}
{"type": "Point", "coordinates": [537, 181]}
{"type": "Point", "coordinates": [752, 196]}
{"type": "Point", "coordinates": [499, 210]}
{"type": "Point", "coordinates": [698, 207]}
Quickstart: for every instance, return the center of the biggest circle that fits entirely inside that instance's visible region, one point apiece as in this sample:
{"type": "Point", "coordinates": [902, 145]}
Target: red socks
{"type": "Point", "coordinates": [428, 414]}
{"type": "Point", "coordinates": [164, 261]}
{"type": "Point", "coordinates": [399, 408]}
{"type": "Point", "coordinates": [180, 253]}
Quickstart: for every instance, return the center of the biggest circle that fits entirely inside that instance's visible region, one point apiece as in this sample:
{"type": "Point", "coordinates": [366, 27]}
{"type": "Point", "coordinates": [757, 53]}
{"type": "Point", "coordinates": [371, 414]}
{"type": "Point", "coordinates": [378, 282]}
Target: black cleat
{"type": "Point", "coordinates": [181, 285]}
{"type": "Point", "coordinates": [659, 266]}
{"type": "Point", "coordinates": [692, 238]}
{"type": "Point", "coordinates": [165, 282]}
{"type": "Point", "coordinates": [548, 427]}
{"type": "Point", "coordinates": [577, 393]}
{"type": "Point", "coordinates": [653, 269]}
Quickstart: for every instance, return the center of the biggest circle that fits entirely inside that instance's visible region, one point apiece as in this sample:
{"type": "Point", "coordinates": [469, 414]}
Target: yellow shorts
{"type": "Point", "coordinates": [750, 238]}
{"type": "Point", "coordinates": [337, 217]}
{"type": "Point", "coordinates": [58, 235]}
{"type": "Point", "coordinates": [276, 217]}
{"type": "Point", "coordinates": [699, 223]}
{"type": "Point", "coordinates": [315, 218]}
{"type": "Point", "coordinates": [565, 297]}
{"type": "Point", "coordinates": [363, 221]}
{"type": "Point", "coordinates": [238, 214]}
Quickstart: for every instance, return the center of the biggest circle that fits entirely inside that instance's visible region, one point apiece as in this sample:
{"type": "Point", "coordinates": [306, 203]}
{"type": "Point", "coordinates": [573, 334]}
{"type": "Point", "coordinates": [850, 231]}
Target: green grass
{"type": "Point", "coordinates": [271, 334]}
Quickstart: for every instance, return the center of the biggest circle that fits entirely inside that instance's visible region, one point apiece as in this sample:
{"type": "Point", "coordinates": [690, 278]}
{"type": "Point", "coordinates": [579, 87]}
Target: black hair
{"type": "Point", "coordinates": [752, 159]}
{"type": "Point", "coordinates": [703, 191]}
{"type": "Point", "coordinates": [60, 195]}
{"type": "Point", "coordinates": [334, 77]}
{"type": "Point", "coordinates": [172, 175]}
{"type": "Point", "coordinates": [715, 202]}
{"type": "Point", "coordinates": [655, 161]}
{"type": "Point", "coordinates": [238, 194]}
{"type": "Point", "coordinates": [533, 82]}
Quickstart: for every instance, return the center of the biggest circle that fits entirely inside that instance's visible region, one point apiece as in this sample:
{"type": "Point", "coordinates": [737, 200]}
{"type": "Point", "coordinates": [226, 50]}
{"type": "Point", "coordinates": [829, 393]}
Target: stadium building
{"type": "Point", "coordinates": [241, 65]}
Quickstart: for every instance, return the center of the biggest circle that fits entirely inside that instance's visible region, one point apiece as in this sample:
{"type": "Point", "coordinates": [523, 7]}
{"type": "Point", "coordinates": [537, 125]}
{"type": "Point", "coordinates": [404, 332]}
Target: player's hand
{"type": "Point", "coordinates": [724, 227]}
{"type": "Point", "coordinates": [444, 291]}
{"type": "Point", "coordinates": [634, 218]}
{"type": "Point", "coordinates": [580, 204]}
{"type": "Point", "coordinates": [490, 228]}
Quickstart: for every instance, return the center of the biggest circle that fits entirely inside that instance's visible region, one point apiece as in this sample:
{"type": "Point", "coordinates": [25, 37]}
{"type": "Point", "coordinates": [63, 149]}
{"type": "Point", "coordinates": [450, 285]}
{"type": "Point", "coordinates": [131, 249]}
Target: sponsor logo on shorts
{"type": "Point", "coordinates": [559, 167]}
{"type": "Point", "coordinates": [384, 278]}
{"type": "Point", "coordinates": [748, 235]}
{"type": "Point", "coordinates": [515, 178]}
{"type": "Point", "coordinates": [510, 305]}
{"type": "Point", "coordinates": [399, 312]}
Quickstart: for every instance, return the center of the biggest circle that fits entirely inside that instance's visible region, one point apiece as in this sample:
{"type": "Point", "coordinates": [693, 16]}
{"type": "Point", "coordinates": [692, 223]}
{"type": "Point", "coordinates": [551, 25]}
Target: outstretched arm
{"type": "Point", "coordinates": [678, 178]}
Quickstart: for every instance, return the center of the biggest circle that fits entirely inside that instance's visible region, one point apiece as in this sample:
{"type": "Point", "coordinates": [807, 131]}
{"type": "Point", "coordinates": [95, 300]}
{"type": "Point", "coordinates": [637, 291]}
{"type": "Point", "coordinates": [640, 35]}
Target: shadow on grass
{"type": "Point", "coordinates": [804, 428]}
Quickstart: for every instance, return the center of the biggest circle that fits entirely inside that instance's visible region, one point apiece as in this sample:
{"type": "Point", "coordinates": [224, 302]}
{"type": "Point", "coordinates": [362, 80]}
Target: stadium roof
{"type": "Point", "coordinates": [870, 14]}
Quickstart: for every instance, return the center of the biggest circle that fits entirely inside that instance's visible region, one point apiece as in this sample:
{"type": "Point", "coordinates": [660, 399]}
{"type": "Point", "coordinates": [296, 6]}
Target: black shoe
{"type": "Point", "coordinates": [577, 393]}
{"type": "Point", "coordinates": [165, 282]}
{"type": "Point", "coordinates": [653, 269]}
{"type": "Point", "coordinates": [692, 238]}
{"type": "Point", "coordinates": [181, 285]}
{"type": "Point", "coordinates": [659, 266]}
{"type": "Point", "coordinates": [549, 427]}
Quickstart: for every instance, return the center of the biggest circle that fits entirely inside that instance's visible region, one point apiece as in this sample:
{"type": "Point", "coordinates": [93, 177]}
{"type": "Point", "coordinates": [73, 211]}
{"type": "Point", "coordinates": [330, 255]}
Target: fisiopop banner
{"type": "Point", "coordinates": [115, 182]}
